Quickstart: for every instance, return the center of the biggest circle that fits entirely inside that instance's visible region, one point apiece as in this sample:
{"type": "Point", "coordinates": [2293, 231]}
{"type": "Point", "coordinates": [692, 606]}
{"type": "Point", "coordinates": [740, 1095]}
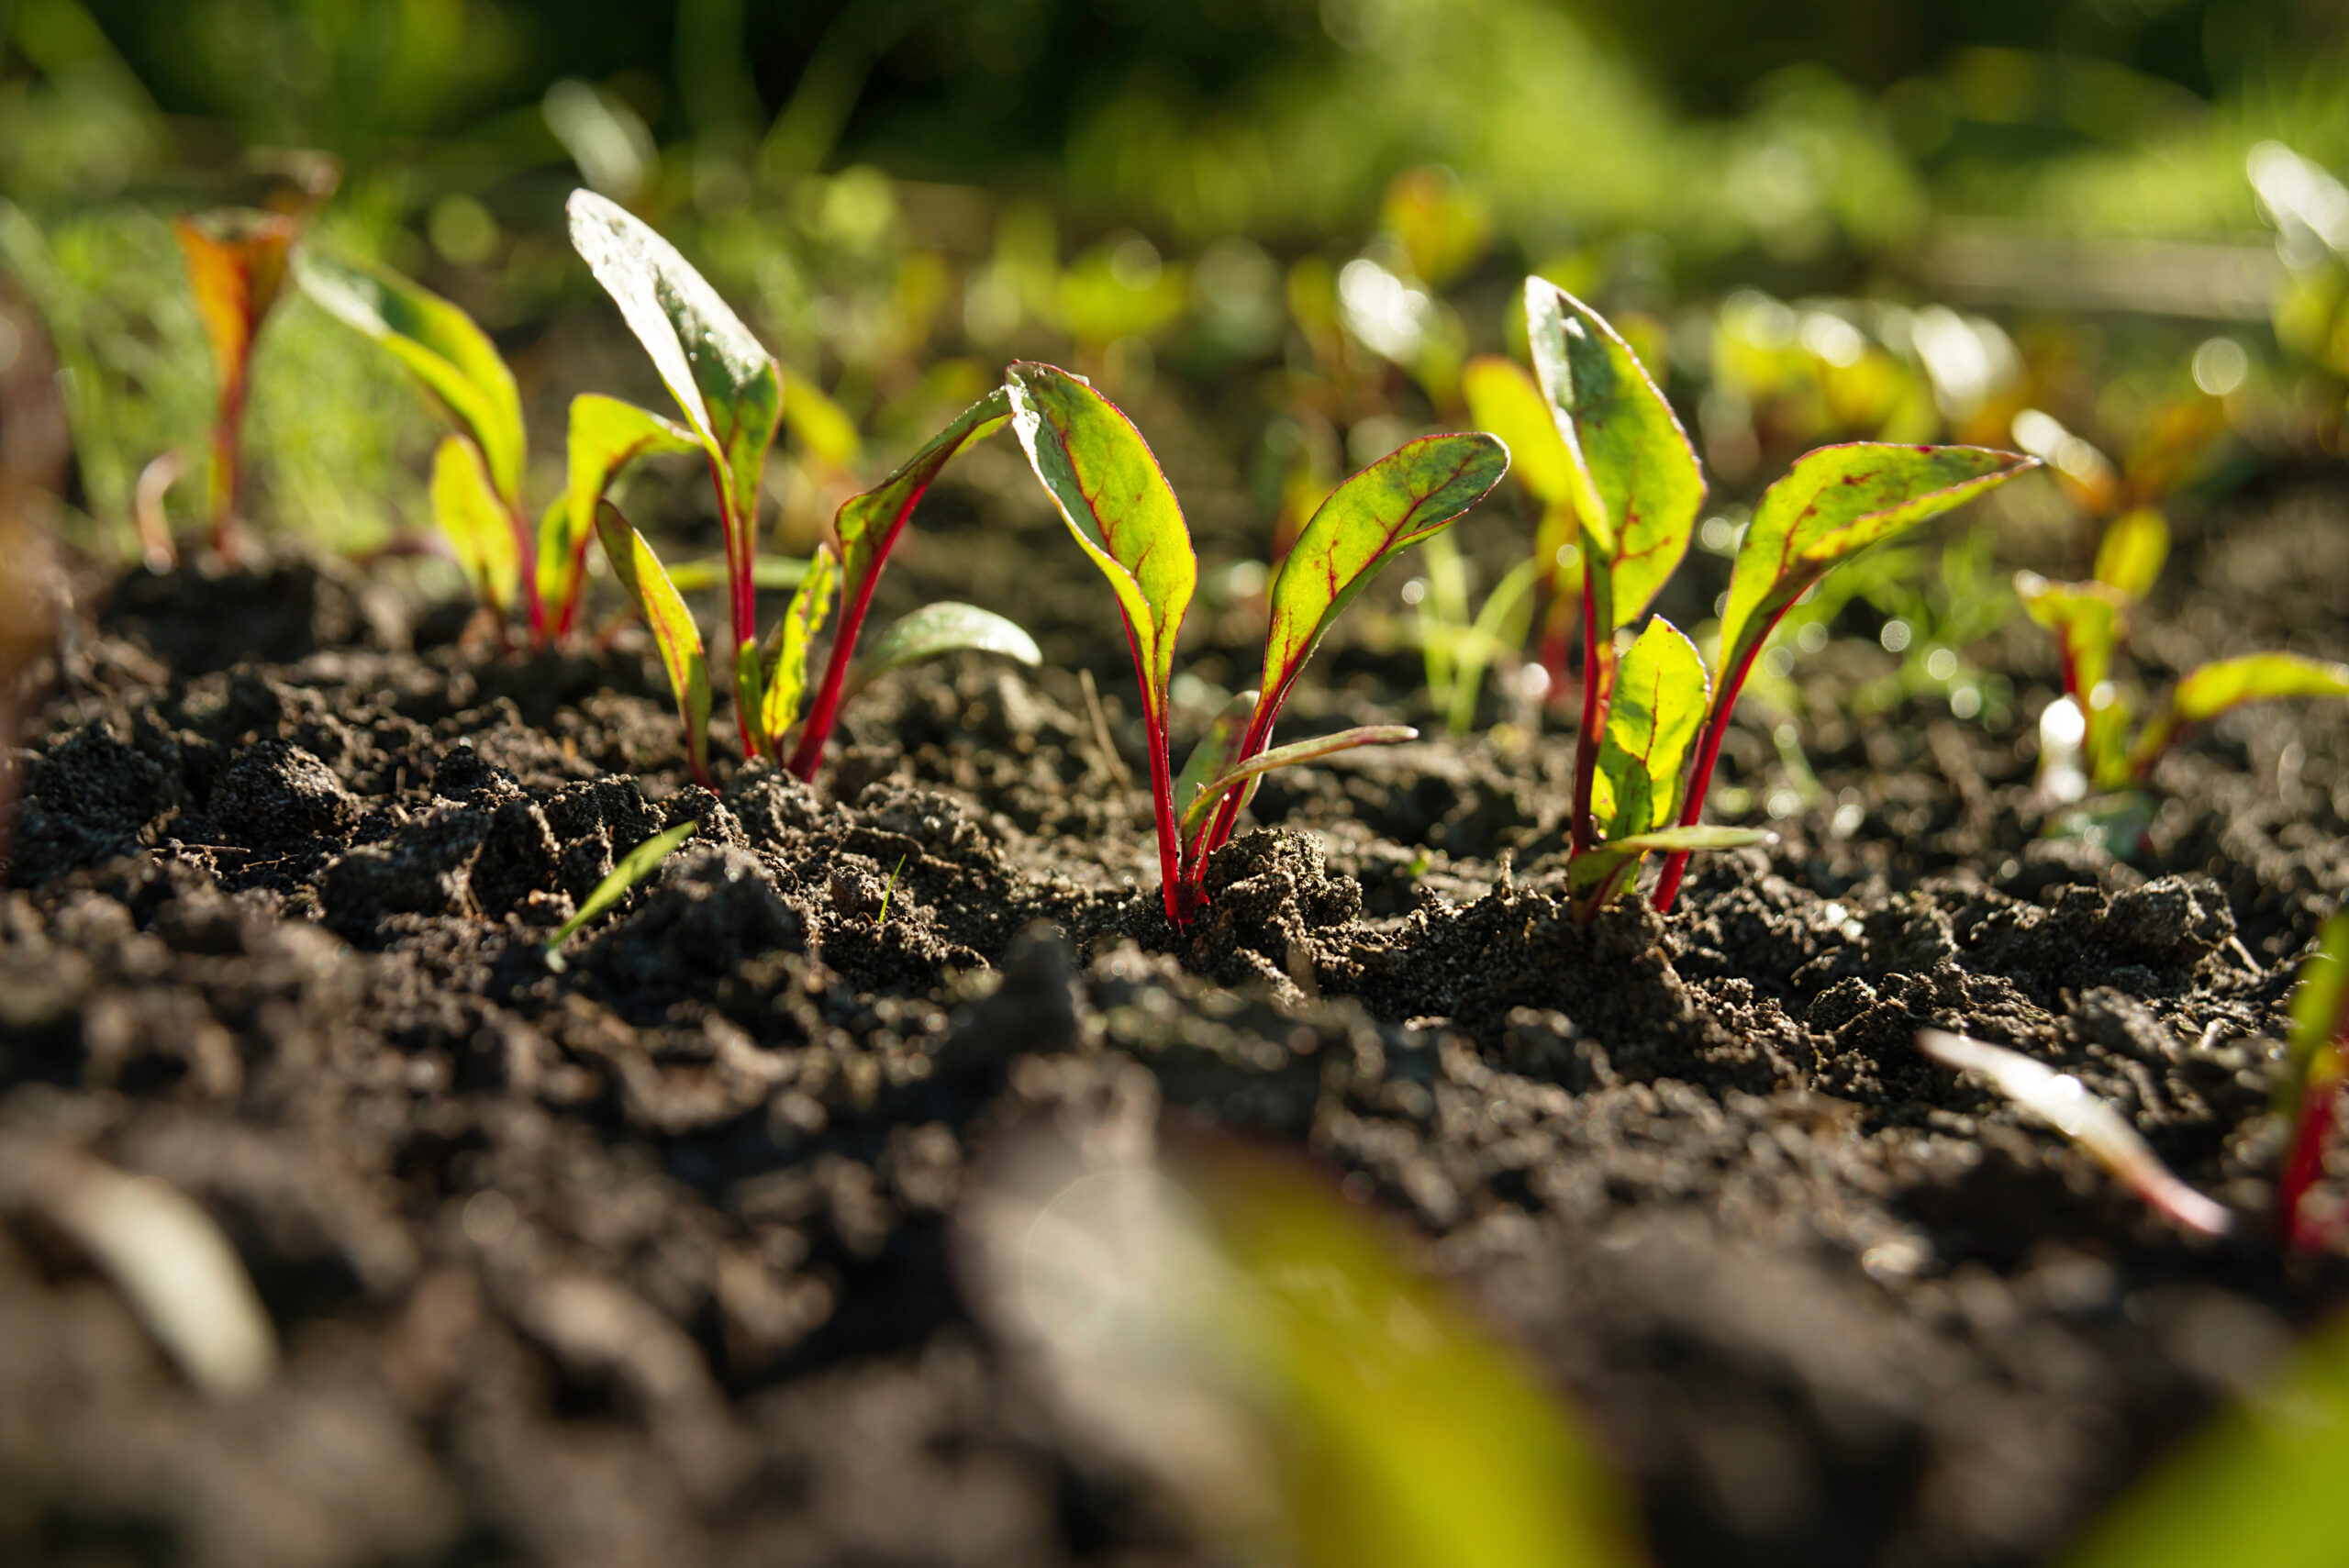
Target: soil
{"type": "Point", "coordinates": [649, 1260]}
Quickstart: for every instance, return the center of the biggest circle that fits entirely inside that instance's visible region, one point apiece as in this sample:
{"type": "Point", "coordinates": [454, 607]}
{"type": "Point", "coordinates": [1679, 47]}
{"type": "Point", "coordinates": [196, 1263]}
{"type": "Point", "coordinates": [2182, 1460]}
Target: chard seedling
{"type": "Point", "coordinates": [1636, 490]}
{"type": "Point", "coordinates": [2084, 735]}
{"type": "Point", "coordinates": [235, 265]}
{"type": "Point", "coordinates": [2307, 1097]}
{"type": "Point", "coordinates": [731, 394]}
{"type": "Point", "coordinates": [633, 868]}
{"type": "Point", "coordinates": [1504, 400]}
{"type": "Point", "coordinates": [1117, 503]}
{"type": "Point", "coordinates": [2063, 1103]}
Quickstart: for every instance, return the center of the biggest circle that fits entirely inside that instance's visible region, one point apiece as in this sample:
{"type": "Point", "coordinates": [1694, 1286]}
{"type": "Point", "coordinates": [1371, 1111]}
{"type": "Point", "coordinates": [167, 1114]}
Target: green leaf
{"type": "Point", "coordinates": [935, 630]}
{"type": "Point", "coordinates": [1505, 401]}
{"type": "Point", "coordinates": [1402, 1434]}
{"type": "Point", "coordinates": [633, 868]}
{"type": "Point", "coordinates": [1599, 864]}
{"type": "Point", "coordinates": [1213, 756]}
{"type": "Point", "coordinates": [1263, 762]}
{"type": "Point", "coordinates": [2226, 684]}
{"type": "Point", "coordinates": [1394, 503]}
{"type": "Point", "coordinates": [605, 436]}
{"type": "Point", "coordinates": [2131, 555]}
{"type": "Point", "coordinates": [868, 523]}
{"type": "Point", "coordinates": [794, 637]}
{"type": "Point", "coordinates": [2260, 1487]}
{"type": "Point", "coordinates": [1636, 483]}
{"type": "Point", "coordinates": [438, 343]}
{"type": "Point", "coordinates": [772, 573]}
{"type": "Point", "coordinates": [1834, 503]}
{"type": "Point", "coordinates": [820, 425]}
{"type": "Point", "coordinates": [728, 387]}
{"type": "Point", "coordinates": [1661, 694]}
{"type": "Point", "coordinates": [480, 530]}
{"type": "Point", "coordinates": [673, 632]}
{"type": "Point", "coordinates": [1100, 474]}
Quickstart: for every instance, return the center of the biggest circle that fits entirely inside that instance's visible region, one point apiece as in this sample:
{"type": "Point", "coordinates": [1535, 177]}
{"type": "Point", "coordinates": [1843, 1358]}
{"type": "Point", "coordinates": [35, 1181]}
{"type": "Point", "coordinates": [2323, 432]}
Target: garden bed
{"type": "Point", "coordinates": [649, 1260]}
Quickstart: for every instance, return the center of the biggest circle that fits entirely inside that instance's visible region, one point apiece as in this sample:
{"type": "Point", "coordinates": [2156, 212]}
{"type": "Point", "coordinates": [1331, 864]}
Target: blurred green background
{"type": "Point", "coordinates": [903, 193]}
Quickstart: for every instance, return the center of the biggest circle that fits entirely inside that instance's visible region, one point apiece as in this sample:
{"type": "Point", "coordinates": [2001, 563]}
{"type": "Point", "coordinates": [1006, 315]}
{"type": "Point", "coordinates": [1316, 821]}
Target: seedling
{"type": "Point", "coordinates": [2063, 1103]}
{"type": "Point", "coordinates": [731, 392]}
{"type": "Point", "coordinates": [236, 263]}
{"type": "Point", "coordinates": [881, 916]}
{"type": "Point", "coordinates": [1099, 473]}
{"type": "Point", "coordinates": [2307, 1098]}
{"type": "Point", "coordinates": [633, 868]}
{"type": "Point", "coordinates": [2085, 741]}
{"type": "Point", "coordinates": [1635, 489]}
{"type": "Point", "coordinates": [1505, 400]}
{"type": "Point", "coordinates": [1457, 648]}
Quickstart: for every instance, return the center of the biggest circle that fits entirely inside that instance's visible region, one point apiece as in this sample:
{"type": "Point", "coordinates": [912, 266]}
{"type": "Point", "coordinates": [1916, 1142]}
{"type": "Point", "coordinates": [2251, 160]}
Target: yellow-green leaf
{"type": "Point", "coordinates": [795, 638]}
{"type": "Point", "coordinates": [1599, 866]}
{"type": "Point", "coordinates": [1505, 400]}
{"type": "Point", "coordinates": [1835, 502]}
{"type": "Point", "coordinates": [728, 386]}
{"type": "Point", "coordinates": [1394, 503]}
{"type": "Point", "coordinates": [2226, 684]}
{"type": "Point", "coordinates": [476, 522]}
{"type": "Point", "coordinates": [2131, 555]}
{"type": "Point", "coordinates": [605, 436]}
{"type": "Point", "coordinates": [439, 343]}
{"type": "Point", "coordinates": [2088, 620]}
{"type": "Point", "coordinates": [1661, 694]}
{"type": "Point", "coordinates": [820, 425]}
{"type": "Point", "coordinates": [673, 632]}
{"type": "Point", "coordinates": [1101, 475]}
{"type": "Point", "coordinates": [1636, 484]}
{"type": "Point", "coordinates": [1210, 759]}
{"type": "Point", "coordinates": [868, 524]}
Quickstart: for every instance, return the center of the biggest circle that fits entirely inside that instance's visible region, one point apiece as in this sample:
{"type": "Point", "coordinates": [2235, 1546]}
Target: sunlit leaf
{"type": "Point", "coordinates": [794, 637]}
{"type": "Point", "coordinates": [820, 425]}
{"type": "Point", "coordinates": [772, 573]}
{"type": "Point", "coordinates": [439, 343]}
{"type": "Point", "coordinates": [935, 630]}
{"type": "Point", "coordinates": [2131, 555]}
{"type": "Point", "coordinates": [1597, 866]}
{"type": "Point", "coordinates": [1661, 694]}
{"type": "Point", "coordinates": [2103, 1133]}
{"type": "Point", "coordinates": [1394, 503]}
{"type": "Point", "coordinates": [633, 868]}
{"type": "Point", "coordinates": [1636, 483]}
{"type": "Point", "coordinates": [2088, 620]}
{"type": "Point", "coordinates": [1834, 503]}
{"type": "Point", "coordinates": [607, 435]}
{"type": "Point", "coordinates": [1505, 401]}
{"type": "Point", "coordinates": [1289, 756]}
{"type": "Point", "coordinates": [868, 525]}
{"type": "Point", "coordinates": [1100, 474]}
{"type": "Point", "coordinates": [673, 632]}
{"type": "Point", "coordinates": [235, 266]}
{"type": "Point", "coordinates": [728, 386]}
{"type": "Point", "coordinates": [2258, 1488]}
{"type": "Point", "coordinates": [2226, 684]}
{"type": "Point", "coordinates": [479, 530]}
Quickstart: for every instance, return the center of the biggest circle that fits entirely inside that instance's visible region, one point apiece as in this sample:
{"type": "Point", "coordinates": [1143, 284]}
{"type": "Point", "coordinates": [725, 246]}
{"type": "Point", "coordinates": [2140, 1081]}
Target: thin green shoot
{"type": "Point", "coordinates": [633, 868]}
{"type": "Point", "coordinates": [881, 919]}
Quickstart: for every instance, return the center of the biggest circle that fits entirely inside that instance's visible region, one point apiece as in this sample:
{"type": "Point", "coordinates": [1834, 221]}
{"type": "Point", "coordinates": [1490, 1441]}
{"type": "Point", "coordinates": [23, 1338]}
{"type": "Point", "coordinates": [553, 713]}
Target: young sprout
{"type": "Point", "coordinates": [1635, 492]}
{"type": "Point", "coordinates": [633, 868]}
{"type": "Point", "coordinates": [1099, 473]}
{"type": "Point", "coordinates": [881, 917]}
{"type": "Point", "coordinates": [2307, 1097]}
{"type": "Point", "coordinates": [2063, 1103]}
{"type": "Point", "coordinates": [1505, 400]}
{"type": "Point", "coordinates": [236, 263]}
{"type": "Point", "coordinates": [2084, 735]}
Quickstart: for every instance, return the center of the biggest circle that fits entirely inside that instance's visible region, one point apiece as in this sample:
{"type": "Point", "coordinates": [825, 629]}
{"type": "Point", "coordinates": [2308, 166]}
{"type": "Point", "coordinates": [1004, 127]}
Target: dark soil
{"type": "Point", "coordinates": [647, 1261]}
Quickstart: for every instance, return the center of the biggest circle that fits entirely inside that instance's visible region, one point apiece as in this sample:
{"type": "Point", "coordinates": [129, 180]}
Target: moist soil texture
{"type": "Point", "coordinates": [650, 1260]}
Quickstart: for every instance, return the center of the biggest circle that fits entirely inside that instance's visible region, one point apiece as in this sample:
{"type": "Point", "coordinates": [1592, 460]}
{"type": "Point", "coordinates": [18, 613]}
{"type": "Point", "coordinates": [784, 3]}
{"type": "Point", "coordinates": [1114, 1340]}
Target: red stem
{"type": "Point", "coordinates": [526, 548]}
{"type": "Point", "coordinates": [1675, 866]}
{"type": "Point", "coordinates": [1586, 743]}
{"type": "Point", "coordinates": [738, 582]}
{"type": "Point", "coordinates": [228, 456]}
{"type": "Point", "coordinates": [809, 755]}
{"type": "Point", "coordinates": [2305, 1164]}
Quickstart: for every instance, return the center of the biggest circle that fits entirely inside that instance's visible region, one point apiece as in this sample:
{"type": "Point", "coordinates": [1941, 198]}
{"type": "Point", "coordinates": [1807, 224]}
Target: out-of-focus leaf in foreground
{"type": "Point", "coordinates": [2261, 1487]}
{"type": "Point", "coordinates": [1221, 1318]}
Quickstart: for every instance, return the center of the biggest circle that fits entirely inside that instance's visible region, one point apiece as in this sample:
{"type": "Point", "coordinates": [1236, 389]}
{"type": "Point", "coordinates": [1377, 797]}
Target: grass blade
{"type": "Point", "coordinates": [633, 868]}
